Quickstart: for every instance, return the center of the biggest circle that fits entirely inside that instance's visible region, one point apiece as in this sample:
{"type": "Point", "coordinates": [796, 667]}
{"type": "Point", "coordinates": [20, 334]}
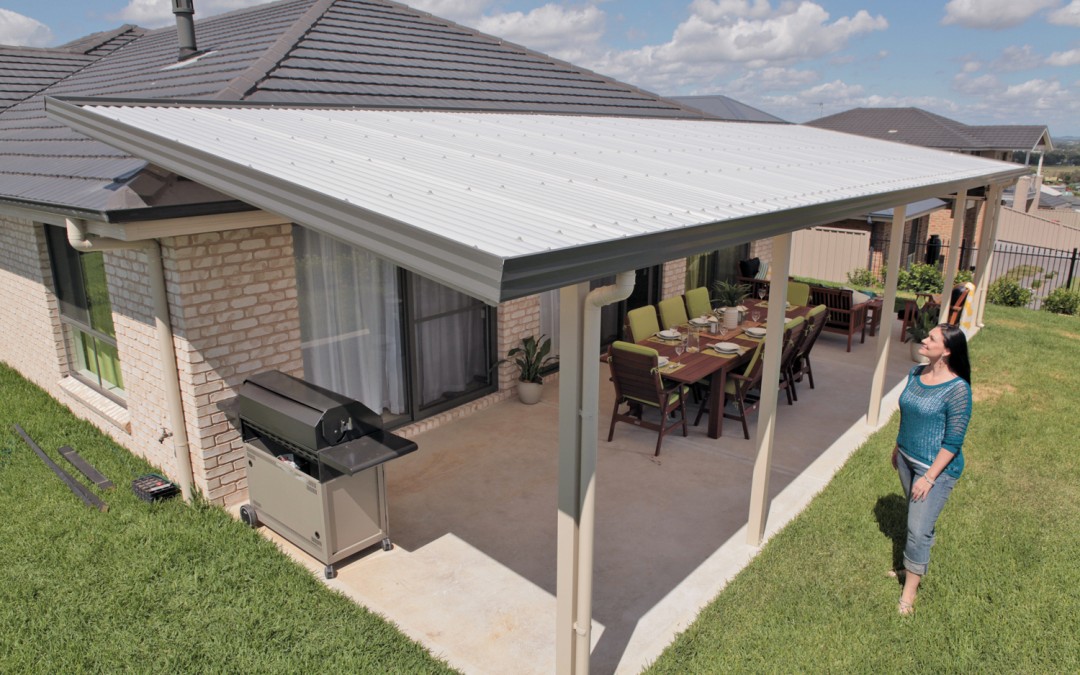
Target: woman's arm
{"type": "Point", "coordinates": [921, 487]}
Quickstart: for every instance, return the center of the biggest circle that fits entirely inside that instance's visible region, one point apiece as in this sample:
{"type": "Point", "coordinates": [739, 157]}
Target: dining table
{"type": "Point", "coordinates": [706, 362]}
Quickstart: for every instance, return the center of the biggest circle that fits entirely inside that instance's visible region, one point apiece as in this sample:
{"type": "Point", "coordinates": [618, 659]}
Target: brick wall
{"type": "Point", "coordinates": [674, 280]}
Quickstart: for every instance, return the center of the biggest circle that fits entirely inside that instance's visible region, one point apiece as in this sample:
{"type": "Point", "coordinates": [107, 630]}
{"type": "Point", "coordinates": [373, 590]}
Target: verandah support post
{"type": "Point", "coordinates": [884, 337]}
{"type": "Point", "coordinates": [571, 304]}
{"type": "Point", "coordinates": [959, 214]}
{"type": "Point", "coordinates": [770, 390]}
{"type": "Point", "coordinates": [987, 244]}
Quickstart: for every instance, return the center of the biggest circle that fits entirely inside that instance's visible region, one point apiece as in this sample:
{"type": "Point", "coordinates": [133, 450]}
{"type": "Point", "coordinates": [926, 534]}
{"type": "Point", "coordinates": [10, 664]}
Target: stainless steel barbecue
{"type": "Point", "coordinates": [315, 466]}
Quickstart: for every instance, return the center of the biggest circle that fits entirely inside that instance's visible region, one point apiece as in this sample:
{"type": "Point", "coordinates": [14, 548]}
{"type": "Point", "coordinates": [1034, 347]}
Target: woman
{"type": "Point", "coordinates": [934, 412]}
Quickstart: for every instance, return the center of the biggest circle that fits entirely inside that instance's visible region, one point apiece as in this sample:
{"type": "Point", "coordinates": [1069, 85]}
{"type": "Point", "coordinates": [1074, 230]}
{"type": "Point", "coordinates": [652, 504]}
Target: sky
{"type": "Point", "coordinates": [975, 61]}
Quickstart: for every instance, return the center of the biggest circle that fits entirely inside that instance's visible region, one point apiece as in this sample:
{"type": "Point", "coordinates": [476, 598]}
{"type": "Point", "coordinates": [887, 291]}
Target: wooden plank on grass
{"type": "Point", "coordinates": [80, 490]}
{"type": "Point", "coordinates": [86, 468]}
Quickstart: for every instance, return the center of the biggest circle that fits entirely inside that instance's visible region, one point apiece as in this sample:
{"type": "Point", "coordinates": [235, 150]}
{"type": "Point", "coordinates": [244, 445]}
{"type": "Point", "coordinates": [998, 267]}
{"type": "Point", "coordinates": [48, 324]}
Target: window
{"type": "Point", "coordinates": [86, 315]}
{"type": "Point", "coordinates": [401, 344]}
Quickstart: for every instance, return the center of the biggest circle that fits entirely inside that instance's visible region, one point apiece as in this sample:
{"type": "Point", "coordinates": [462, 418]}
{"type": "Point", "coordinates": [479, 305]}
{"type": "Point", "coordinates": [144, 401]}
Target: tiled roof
{"type": "Point", "coordinates": [919, 127]}
{"type": "Point", "coordinates": [365, 53]}
{"type": "Point", "coordinates": [727, 108]}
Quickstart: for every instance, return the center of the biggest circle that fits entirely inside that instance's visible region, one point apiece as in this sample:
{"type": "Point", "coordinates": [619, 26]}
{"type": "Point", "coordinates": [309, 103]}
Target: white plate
{"type": "Point", "coordinates": [755, 332]}
{"type": "Point", "coordinates": [668, 334]}
{"type": "Point", "coordinates": [661, 361]}
{"type": "Point", "coordinates": [700, 322]}
{"type": "Point", "coordinates": [726, 347]}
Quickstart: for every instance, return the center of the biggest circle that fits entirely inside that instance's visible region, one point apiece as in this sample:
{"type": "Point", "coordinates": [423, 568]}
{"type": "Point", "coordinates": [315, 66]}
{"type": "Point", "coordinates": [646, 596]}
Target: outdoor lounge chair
{"type": "Point", "coordinates": [637, 383]}
{"type": "Point", "coordinates": [641, 323]}
{"type": "Point", "coordinates": [672, 312]}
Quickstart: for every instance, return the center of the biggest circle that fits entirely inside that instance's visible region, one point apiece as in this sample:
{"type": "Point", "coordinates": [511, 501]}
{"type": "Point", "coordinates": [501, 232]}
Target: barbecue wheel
{"type": "Point", "coordinates": [386, 545]}
{"type": "Point", "coordinates": [330, 572]}
{"type": "Point", "coordinates": [248, 515]}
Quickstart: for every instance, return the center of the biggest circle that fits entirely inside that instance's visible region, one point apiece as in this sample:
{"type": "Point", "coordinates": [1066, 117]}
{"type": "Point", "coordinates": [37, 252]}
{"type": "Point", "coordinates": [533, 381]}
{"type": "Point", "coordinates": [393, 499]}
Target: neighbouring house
{"type": "Point", "coordinates": [249, 290]}
{"type": "Point", "coordinates": [920, 127]}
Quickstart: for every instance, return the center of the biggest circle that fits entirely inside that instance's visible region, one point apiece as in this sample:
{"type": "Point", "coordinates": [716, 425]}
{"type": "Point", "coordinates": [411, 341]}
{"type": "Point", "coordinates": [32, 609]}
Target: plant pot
{"type": "Point", "coordinates": [529, 392]}
{"type": "Point", "coordinates": [915, 355]}
{"type": "Point", "coordinates": [731, 318]}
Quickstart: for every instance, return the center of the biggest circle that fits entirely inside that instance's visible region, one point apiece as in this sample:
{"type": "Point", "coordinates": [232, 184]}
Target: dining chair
{"type": "Point", "coordinates": [642, 323]}
{"type": "Point", "coordinates": [672, 312]}
{"type": "Point", "coordinates": [798, 293]}
{"type": "Point", "coordinates": [737, 389]}
{"type": "Point", "coordinates": [800, 365]}
{"type": "Point", "coordinates": [697, 302]}
{"type": "Point", "coordinates": [794, 331]}
{"type": "Point", "coordinates": [636, 375]}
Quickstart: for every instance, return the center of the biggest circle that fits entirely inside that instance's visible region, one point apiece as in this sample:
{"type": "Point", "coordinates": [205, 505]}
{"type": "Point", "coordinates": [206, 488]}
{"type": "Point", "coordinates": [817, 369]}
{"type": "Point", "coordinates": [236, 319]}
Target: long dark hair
{"type": "Point", "coordinates": [956, 343]}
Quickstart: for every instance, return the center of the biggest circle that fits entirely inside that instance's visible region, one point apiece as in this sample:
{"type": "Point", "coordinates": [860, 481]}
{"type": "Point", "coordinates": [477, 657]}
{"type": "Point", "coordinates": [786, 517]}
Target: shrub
{"type": "Point", "coordinates": [1062, 301]}
{"type": "Point", "coordinates": [1036, 283]}
{"type": "Point", "coordinates": [920, 278]}
{"type": "Point", "coordinates": [1008, 292]}
{"type": "Point", "coordinates": [861, 276]}
{"type": "Point", "coordinates": [963, 276]}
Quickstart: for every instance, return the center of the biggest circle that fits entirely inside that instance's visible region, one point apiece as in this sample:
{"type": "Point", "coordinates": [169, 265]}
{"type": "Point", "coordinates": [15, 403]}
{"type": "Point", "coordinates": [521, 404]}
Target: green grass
{"type": "Point", "coordinates": [155, 587]}
{"type": "Point", "coordinates": [1003, 590]}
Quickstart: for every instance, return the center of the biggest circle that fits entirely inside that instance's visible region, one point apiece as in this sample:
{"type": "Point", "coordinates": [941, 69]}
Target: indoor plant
{"type": "Point", "coordinates": [530, 358]}
{"type": "Point", "coordinates": [728, 295]}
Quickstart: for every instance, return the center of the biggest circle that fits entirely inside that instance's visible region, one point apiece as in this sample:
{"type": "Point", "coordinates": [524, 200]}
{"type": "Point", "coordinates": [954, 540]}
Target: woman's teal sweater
{"type": "Point", "coordinates": [932, 417]}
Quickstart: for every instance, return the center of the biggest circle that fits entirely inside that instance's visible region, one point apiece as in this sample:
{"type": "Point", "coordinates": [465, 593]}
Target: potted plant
{"type": "Point", "coordinates": [530, 358]}
{"type": "Point", "coordinates": [924, 321]}
{"type": "Point", "coordinates": [729, 295]}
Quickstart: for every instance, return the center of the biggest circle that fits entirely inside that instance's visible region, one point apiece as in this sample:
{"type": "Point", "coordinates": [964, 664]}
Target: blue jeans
{"type": "Point", "coordinates": [922, 515]}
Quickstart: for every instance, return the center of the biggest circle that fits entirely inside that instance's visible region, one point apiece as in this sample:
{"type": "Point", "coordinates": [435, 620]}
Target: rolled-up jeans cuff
{"type": "Point", "coordinates": [916, 568]}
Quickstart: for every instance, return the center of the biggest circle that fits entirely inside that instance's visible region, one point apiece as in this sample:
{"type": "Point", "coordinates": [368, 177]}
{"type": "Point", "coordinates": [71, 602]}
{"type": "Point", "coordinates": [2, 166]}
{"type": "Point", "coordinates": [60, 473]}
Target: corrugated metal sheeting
{"type": "Point", "coordinates": [503, 205]}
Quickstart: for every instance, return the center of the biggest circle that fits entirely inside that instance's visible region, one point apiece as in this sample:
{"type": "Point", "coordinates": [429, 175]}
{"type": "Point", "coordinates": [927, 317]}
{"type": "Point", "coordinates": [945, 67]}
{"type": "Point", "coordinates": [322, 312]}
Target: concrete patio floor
{"type": "Point", "coordinates": [473, 520]}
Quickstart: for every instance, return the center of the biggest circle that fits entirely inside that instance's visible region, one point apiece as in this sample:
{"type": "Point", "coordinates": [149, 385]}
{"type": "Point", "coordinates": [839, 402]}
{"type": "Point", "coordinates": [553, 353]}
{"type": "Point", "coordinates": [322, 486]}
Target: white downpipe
{"type": "Point", "coordinates": [81, 241]}
{"type": "Point", "coordinates": [590, 404]}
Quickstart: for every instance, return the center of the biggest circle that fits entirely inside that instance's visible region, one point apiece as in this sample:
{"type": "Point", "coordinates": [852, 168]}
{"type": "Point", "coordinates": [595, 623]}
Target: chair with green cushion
{"type": "Point", "coordinates": [637, 383]}
{"type": "Point", "coordinates": [697, 302]}
{"type": "Point", "coordinates": [641, 323]}
{"type": "Point", "coordinates": [794, 331]}
{"type": "Point", "coordinates": [737, 388]}
{"type": "Point", "coordinates": [672, 312]}
{"type": "Point", "coordinates": [800, 365]}
{"type": "Point", "coordinates": [798, 293]}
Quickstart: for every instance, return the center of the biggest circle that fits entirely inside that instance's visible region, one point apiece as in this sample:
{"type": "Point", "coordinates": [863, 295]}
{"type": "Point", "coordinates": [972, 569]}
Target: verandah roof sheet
{"type": "Point", "coordinates": [502, 205]}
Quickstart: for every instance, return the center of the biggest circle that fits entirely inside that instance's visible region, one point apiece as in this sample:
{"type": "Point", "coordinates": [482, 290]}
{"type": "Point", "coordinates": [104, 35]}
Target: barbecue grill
{"type": "Point", "coordinates": [315, 466]}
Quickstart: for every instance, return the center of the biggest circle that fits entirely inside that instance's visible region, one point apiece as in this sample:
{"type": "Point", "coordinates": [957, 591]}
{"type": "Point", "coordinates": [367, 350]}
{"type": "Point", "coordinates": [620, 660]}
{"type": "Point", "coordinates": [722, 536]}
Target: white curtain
{"type": "Point", "coordinates": [451, 339]}
{"type": "Point", "coordinates": [350, 321]}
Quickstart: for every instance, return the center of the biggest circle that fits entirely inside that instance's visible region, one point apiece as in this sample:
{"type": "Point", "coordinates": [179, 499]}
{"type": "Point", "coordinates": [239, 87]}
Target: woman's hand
{"type": "Point", "coordinates": [895, 452]}
{"type": "Point", "coordinates": [920, 488]}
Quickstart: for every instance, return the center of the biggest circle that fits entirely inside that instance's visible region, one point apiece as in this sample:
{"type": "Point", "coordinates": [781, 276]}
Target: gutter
{"type": "Point", "coordinates": [590, 404]}
{"type": "Point", "coordinates": [81, 241]}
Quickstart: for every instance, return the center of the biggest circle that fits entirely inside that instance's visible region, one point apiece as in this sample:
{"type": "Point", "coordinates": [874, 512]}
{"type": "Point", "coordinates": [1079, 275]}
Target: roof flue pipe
{"type": "Point", "coordinates": [185, 27]}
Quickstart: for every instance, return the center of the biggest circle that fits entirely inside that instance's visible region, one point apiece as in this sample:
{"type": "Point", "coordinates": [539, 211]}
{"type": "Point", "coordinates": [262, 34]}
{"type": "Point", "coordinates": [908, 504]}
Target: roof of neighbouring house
{"type": "Point", "coordinates": [727, 108]}
{"type": "Point", "coordinates": [919, 127]}
{"type": "Point", "coordinates": [363, 53]}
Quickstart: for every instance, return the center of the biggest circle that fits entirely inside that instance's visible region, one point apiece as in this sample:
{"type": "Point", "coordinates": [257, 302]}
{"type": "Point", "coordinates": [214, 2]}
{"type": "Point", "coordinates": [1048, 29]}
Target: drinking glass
{"type": "Point", "coordinates": [680, 346]}
{"type": "Point", "coordinates": [694, 342]}
{"type": "Point", "coordinates": [755, 316]}
{"type": "Point", "coordinates": [761, 292]}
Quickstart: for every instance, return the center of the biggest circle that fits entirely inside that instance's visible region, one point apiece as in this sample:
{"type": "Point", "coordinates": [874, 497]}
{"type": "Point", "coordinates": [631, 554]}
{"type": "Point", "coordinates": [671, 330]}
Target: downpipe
{"type": "Point", "coordinates": [80, 240]}
{"type": "Point", "coordinates": [590, 403]}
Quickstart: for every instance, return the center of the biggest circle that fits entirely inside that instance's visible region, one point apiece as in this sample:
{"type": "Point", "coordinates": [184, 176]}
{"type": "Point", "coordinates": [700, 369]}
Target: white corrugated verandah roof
{"type": "Point", "coordinates": [502, 205]}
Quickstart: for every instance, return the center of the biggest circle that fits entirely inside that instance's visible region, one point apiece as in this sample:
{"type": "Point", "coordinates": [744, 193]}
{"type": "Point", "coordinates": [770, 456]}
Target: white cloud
{"type": "Point", "coordinates": [22, 31]}
{"type": "Point", "coordinates": [1064, 59]}
{"type": "Point", "coordinates": [972, 66]}
{"type": "Point", "coordinates": [564, 31]}
{"type": "Point", "coordinates": [1067, 16]}
{"type": "Point", "coordinates": [716, 11]}
{"type": "Point", "coordinates": [154, 13]}
{"type": "Point", "coordinates": [1014, 59]}
{"type": "Point", "coordinates": [994, 14]}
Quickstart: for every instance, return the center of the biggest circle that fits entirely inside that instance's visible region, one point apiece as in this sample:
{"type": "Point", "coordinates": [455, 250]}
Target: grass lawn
{"type": "Point", "coordinates": [155, 588]}
{"type": "Point", "coordinates": [1003, 591]}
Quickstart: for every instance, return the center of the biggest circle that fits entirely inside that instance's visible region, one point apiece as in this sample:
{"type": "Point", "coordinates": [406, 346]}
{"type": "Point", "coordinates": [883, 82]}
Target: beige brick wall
{"type": "Point", "coordinates": [235, 314]}
{"type": "Point", "coordinates": [674, 280]}
{"type": "Point", "coordinates": [762, 248]}
{"type": "Point", "coordinates": [517, 319]}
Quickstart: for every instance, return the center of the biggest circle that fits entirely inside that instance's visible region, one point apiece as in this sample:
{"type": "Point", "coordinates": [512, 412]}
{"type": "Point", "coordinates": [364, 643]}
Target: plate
{"type": "Point", "coordinates": [661, 361]}
{"type": "Point", "coordinates": [668, 334]}
{"type": "Point", "coordinates": [699, 322]}
{"type": "Point", "coordinates": [755, 332]}
{"type": "Point", "coordinates": [726, 347]}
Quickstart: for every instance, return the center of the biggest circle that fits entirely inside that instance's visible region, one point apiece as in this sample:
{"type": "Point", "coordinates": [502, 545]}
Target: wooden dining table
{"type": "Point", "coordinates": [689, 368]}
